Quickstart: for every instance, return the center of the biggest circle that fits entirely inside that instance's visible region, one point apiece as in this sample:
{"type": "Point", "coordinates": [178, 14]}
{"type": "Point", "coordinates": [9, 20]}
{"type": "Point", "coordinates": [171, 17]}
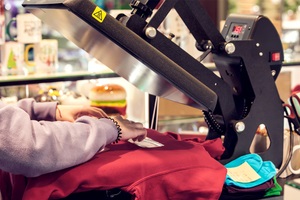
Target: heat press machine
{"type": "Point", "coordinates": [247, 54]}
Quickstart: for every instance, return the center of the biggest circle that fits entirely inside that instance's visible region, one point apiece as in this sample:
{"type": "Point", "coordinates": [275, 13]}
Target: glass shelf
{"type": "Point", "coordinates": [55, 77]}
{"type": "Point", "coordinates": [74, 76]}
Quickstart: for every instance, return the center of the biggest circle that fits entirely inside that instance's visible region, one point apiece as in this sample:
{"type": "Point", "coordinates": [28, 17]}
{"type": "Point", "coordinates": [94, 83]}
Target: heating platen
{"type": "Point", "coordinates": [247, 54]}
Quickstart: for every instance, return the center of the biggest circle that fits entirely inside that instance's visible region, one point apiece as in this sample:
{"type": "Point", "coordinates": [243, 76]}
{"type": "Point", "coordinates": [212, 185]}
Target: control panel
{"type": "Point", "coordinates": [238, 28]}
{"type": "Point", "coordinates": [236, 31]}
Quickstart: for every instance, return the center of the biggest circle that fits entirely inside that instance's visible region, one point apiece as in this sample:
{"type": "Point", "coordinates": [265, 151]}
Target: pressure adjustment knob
{"type": "Point", "coordinates": [230, 48]}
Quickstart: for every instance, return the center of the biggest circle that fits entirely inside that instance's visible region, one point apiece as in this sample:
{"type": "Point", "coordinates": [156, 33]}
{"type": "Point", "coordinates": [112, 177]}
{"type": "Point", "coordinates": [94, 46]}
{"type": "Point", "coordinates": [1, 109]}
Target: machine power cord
{"type": "Point", "coordinates": [290, 151]}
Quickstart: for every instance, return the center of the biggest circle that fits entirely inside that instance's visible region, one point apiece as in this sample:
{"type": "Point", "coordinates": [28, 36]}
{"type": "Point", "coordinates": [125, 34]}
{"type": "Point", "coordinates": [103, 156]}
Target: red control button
{"type": "Point", "coordinates": [275, 56]}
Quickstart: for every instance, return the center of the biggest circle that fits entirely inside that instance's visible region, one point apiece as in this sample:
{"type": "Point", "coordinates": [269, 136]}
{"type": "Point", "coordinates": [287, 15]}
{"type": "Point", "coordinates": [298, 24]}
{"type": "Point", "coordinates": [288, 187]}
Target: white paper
{"type": "Point", "coordinates": [147, 143]}
{"type": "Point", "coordinates": [243, 173]}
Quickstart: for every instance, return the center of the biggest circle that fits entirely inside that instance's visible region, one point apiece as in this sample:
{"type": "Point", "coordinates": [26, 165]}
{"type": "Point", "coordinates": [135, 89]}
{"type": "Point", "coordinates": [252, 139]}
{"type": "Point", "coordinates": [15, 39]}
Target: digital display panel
{"type": "Point", "coordinates": [237, 29]}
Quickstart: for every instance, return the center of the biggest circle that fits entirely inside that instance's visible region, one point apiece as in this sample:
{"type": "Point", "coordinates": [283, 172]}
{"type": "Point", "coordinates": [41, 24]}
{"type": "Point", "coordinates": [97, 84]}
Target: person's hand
{"type": "Point", "coordinates": [131, 130]}
{"type": "Point", "coordinates": [72, 112]}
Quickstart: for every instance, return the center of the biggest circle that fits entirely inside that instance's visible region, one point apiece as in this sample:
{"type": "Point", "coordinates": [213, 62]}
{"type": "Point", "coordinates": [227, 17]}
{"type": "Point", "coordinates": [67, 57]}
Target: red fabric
{"type": "Point", "coordinates": [213, 147]}
{"type": "Point", "coordinates": [10, 185]}
{"type": "Point", "coordinates": [178, 170]}
{"type": "Point", "coordinates": [5, 184]}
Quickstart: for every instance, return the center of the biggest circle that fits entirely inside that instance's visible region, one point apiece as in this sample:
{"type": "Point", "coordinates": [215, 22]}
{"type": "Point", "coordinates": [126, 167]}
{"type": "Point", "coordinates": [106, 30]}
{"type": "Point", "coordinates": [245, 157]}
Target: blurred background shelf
{"type": "Point", "coordinates": [55, 77]}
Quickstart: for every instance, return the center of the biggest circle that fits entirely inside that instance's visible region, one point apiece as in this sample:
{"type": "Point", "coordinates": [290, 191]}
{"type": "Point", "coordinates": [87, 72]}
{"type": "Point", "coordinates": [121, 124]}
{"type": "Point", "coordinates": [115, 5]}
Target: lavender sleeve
{"type": "Point", "coordinates": [38, 110]}
{"type": "Point", "coordinates": [31, 148]}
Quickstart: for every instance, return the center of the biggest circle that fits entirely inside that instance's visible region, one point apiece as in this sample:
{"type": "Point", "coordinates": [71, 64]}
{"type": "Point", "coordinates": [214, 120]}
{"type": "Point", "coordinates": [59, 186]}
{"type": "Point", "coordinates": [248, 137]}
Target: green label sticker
{"type": "Point", "coordinates": [99, 14]}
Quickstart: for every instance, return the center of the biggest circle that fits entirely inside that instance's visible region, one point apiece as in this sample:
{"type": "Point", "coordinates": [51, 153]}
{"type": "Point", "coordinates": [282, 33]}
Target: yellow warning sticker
{"type": "Point", "coordinates": [99, 14]}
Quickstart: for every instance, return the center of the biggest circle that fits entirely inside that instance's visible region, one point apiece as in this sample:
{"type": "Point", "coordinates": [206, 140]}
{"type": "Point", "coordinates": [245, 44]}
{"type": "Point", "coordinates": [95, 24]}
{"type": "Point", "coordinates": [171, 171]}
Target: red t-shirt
{"type": "Point", "coordinates": [178, 170]}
